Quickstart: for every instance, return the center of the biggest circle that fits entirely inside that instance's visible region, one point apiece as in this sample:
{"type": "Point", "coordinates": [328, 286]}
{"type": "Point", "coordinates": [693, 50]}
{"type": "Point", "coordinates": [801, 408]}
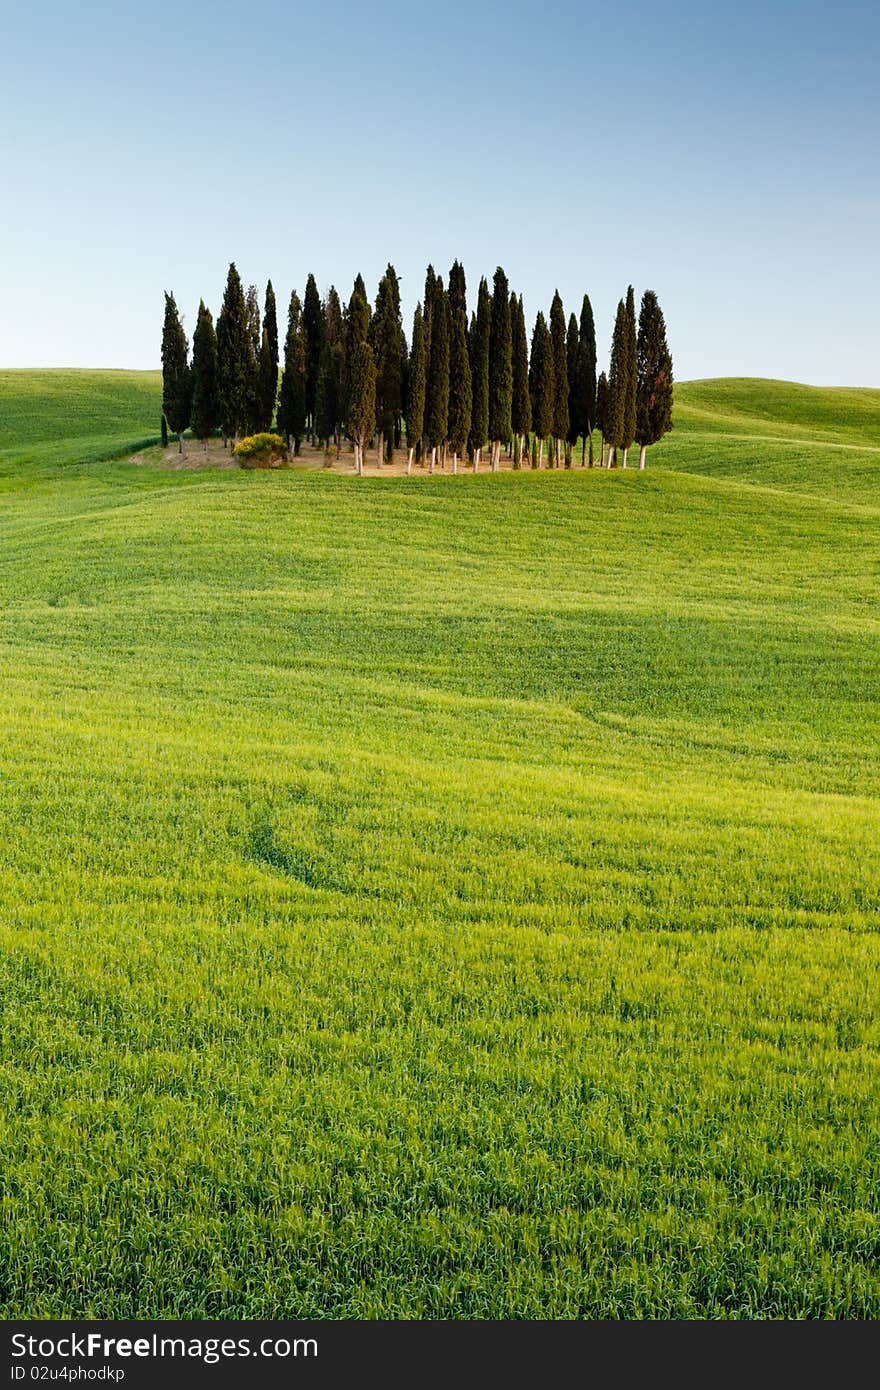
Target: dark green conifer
{"type": "Point", "coordinates": [583, 393]}
{"type": "Point", "coordinates": [602, 411]}
{"type": "Point", "coordinates": [542, 386]}
{"type": "Point", "coordinates": [481, 325]}
{"type": "Point", "coordinates": [457, 293]}
{"type": "Point", "coordinates": [331, 376]}
{"type": "Point", "coordinates": [386, 332]}
{"type": "Point", "coordinates": [416, 383]}
{"type": "Point", "coordinates": [571, 353]}
{"type": "Point", "coordinates": [292, 396]}
{"type": "Point", "coordinates": [500, 367]}
{"type": "Point", "coordinates": [357, 328]}
{"type": "Point", "coordinates": [521, 404]}
{"type": "Point", "coordinates": [233, 358]}
{"type": "Point", "coordinates": [255, 337]}
{"type": "Point", "coordinates": [460, 386]}
{"type": "Point", "coordinates": [654, 376]}
{"type": "Point", "coordinates": [205, 405]}
{"type": "Point", "coordinates": [268, 361]}
{"type": "Point", "coordinates": [176, 375]}
{"type": "Point", "coordinates": [629, 404]}
{"type": "Point", "coordinates": [437, 394]}
{"type": "Point", "coordinates": [313, 327]}
{"type": "Point", "coordinates": [560, 376]}
{"type": "Point", "coordinates": [362, 400]}
{"type": "Point", "coordinates": [428, 307]}
{"type": "Point", "coordinates": [618, 383]}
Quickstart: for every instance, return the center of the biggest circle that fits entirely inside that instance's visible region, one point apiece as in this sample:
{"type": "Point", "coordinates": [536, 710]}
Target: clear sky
{"type": "Point", "coordinates": [725, 156]}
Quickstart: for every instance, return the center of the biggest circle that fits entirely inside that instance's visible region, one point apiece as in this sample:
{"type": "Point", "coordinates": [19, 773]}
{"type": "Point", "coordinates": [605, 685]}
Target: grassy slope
{"type": "Point", "coordinates": [443, 897]}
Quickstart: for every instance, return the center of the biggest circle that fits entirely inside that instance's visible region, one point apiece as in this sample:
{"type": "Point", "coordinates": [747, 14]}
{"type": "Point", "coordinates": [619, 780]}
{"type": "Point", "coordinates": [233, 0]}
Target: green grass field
{"type": "Point", "coordinates": [441, 898]}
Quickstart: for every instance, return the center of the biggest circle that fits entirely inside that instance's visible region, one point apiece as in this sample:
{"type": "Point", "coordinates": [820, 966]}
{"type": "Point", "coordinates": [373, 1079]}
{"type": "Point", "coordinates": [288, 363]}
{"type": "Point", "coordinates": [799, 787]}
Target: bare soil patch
{"type": "Point", "coordinates": [313, 458]}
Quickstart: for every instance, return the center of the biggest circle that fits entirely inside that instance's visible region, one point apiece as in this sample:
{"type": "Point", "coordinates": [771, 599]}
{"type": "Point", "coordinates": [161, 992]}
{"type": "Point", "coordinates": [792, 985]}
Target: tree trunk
{"type": "Point", "coordinates": [455, 460]}
{"type": "Point", "coordinates": [433, 458]}
{"type": "Point", "coordinates": [409, 459]}
{"type": "Point", "coordinates": [643, 449]}
{"type": "Point", "coordinates": [476, 460]}
{"type": "Point", "coordinates": [625, 452]}
{"type": "Point", "coordinates": [591, 448]}
{"type": "Point", "coordinates": [380, 450]}
{"type": "Point", "coordinates": [180, 441]}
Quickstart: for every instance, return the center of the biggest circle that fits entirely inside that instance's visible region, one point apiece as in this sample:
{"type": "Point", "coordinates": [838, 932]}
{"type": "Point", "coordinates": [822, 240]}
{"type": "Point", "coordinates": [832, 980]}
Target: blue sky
{"type": "Point", "coordinates": [726, 158]}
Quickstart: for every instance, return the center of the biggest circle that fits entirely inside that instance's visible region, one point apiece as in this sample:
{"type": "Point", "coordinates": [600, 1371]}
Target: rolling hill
{"type": "Point", "coordinates": [440, 897]}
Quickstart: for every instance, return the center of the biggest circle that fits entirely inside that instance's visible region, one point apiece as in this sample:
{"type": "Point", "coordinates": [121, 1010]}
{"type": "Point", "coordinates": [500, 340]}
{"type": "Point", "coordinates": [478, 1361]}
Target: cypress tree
{"type": "Point", "coordinates": [560, 376]}
{"type": "Point", "coordinates": [386, 333]}
{"type": "Point", "coordinates": [479, 351]}
{"type": "Point", "coordinates": [584, 394]}
{"type": "Point", "coordinates": [205, 406]}
{"type": "Point", "coordinates": [500, 367]}
{"type": "Point", "coordinates": [460, 386]}
{"type": "Point", "coordinates": [268, 360]}
{"type": "Point", "coordinates": [629, 400]}
{"type": "Point", "coordinates": [602, 410]}
{"type": "Point", "coordinates": [437, 393]}
{"type": "Point", "coordinates": [232, 358]}
{"type": "Point", "coordinates": [176, 375]}
{"type": "Point", "coordinates": [654, 376]}
{"type": "Point", "coordinates": [357, 328]}
{"type": "Point", "coordinates": [428, 307]}
{"type": "Point", "coordinates": [254, 344]}
{"type": "Point", "coordinates": [416, 386]}
{"type": "Point", "coordinates": [571, 355]}
{"type": "Point", "coordinates": [362, 401]}
{"type": "Point", "coordinates": [164, 427]}
{"type": "Point", "coordinates": [457, 293]}
{"type": "Point", "coordinates": [313, 326]}
{"type": "Point", "coordinates": [521, 405]}
{"type": "Point", "coordinates": [543, 386]}
{"type": "Point", "coordinates": [615, 410]}
{"type": "Point", "coordinates": [331, 376]}
{"type": "Point", "coordinates": [292, 396]}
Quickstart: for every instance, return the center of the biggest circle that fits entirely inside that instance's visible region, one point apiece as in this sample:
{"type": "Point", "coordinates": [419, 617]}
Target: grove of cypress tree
{"type": "Point", "coordinates": [386, 331]}
{"type": "Point", "coordinates": [618, 384]}
{"type": "Point", "coordinates": [313, 326]}
{"type": "Point", "coordinates": [176, 375]}
{"type": "Point", "coordinates": [481, 325]}
{"type": "Point", "coordinates": [416, 383]}
{"type": "Point", "coordinates": [460, 386]}
{"type": "Point", "coordinates": [560, 375]}
{"type": "Point", "coordinates": [268, 360]}
{"type": "Point", "coordinates": [437, 393]}
{"type": "Point", "coordinates": [500, 367]}
{"type": "Point", "coordinates": [584, 394]}
{"type": "Point", "coordinates": [654, 376]}
{"type": "Point", "coordinates": [362, 400]}
{"type": "Point", "coordinates": [542, 384]}
{"type": "Point", "coordinates": [571, 352]}
{"type": "Point", "coordinates": [205, 405]}
{"type": "Point", "coordinates": [233, 358]}
{"type": "Point", "coordinates": [629, 404]}
{"type": "Point", "coordinates": [521, 404]}
{"type": "Point", "coordinates": [602, 410]}
{"type": "Point", "coordinates": [292, 396]}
